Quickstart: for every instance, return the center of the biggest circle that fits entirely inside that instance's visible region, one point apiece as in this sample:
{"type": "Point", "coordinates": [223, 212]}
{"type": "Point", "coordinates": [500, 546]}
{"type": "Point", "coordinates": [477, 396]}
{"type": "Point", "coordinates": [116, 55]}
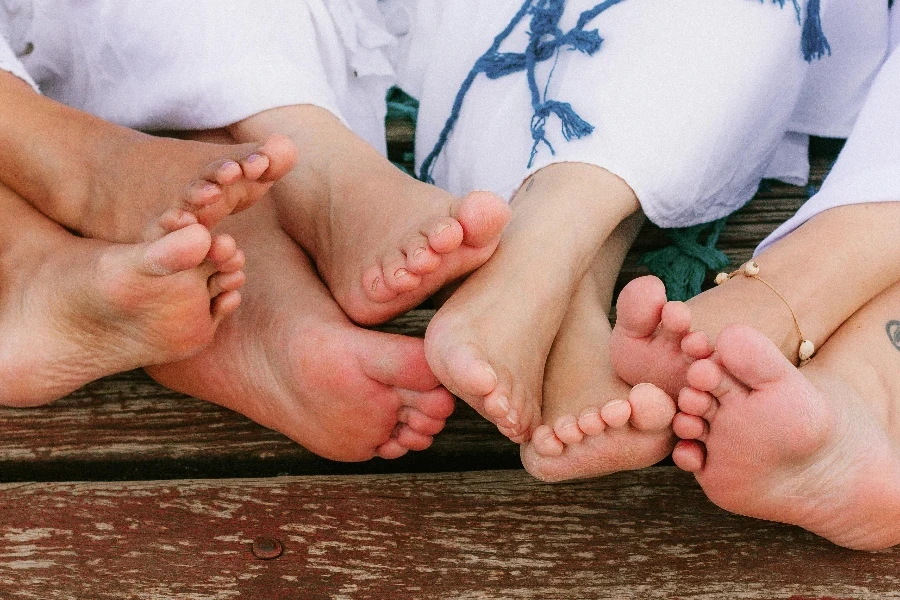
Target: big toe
{"type": "Point", "coordinates": [751, 357]}
{"type": "Point", "coordinates": [639, 309]}
{"type": "Point", "coordinates": [651, 408]}
{"type": "Point", "coordinates": [483, 216]}
{"type": "Point", "coordinates": [282, 155]}
{"type": "Point", "coordinates": [178, 251]}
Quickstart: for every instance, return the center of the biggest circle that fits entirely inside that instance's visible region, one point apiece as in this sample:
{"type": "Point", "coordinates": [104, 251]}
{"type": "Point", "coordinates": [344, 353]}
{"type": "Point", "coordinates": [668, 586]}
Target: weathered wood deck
{"type": "Point", "coordinates": [127, 490]}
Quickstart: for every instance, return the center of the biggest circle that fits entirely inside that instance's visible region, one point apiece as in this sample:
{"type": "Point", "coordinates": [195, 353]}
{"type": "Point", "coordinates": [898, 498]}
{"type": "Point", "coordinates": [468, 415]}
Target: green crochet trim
{"type": "Point", "coordinates": [683, 265]}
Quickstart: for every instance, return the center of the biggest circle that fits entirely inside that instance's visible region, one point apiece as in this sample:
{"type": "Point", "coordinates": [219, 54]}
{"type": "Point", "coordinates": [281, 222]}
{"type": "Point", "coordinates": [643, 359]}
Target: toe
{"type": "Point", "coordinates": [567, 430]}
{"type": "Point", "coordinates": [651, 408]}
{"type": "Point", "coordinates": [545, 442]}
{"type": "Point", "coordinates": [222, 249]}
{"type": "Point", "coordinates": [225, 172]}
{"type": "Point", "coordinates": [254, 165]}
{"type": "Point", "coordinates": [736, 343]}
{"type": "Point", "coordinates": [483, 216]}
{"type": "Point", "coordinates": [689, 427]}
{"type": "Point", "coordinates": [640, 306]}
{"type": "Point", "coordinates": [590, 421]}
{"type": "Point", "coordinates": [694, 402]}
{"type": "Point", "coordinates": [708, 376]}
{"type": "Point", "coordinates": [420, 422]}
{"type": "Point", "coordinates": [203, 193]}
{"type": "Point", "coordinates": [444, 235]}
{"type": "Point", "coordinates": [235, 263]}
{"type": "Point", "coordinates": [675, 319]}
{"type": "Point", "coordinates": [696, 345]}
{"type": "Point", "coordinates": [281, 154]}
{"type": "Point", "coordinates": [375, 287]}
{"type": "Point", "coordinates": [225, 282]}
{"type": "Point", "coordinates": [178, 251]}
{"type": "Point", "coordinates": [391, 449]}
{"type": "Point", "coordinates": [409, 438]}
{"type": "Point", "coordinates": [689, 456]}
{"type": "Point", "coordinates": [171, 220]}
{"type": "Point", "coordinates": [224, 305]}
{"type": "Point", "coordinates": [420, 258]}
{"type": "Point", "coordinates": [396, 274]}
{"type": "Point", "coordinates": [616, 413]}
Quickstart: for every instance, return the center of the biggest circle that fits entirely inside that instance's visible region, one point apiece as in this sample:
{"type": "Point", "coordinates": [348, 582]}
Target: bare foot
{"type": "Point", "coordinates": [113, 183]}
{"type": "Point", "coordinates": [490, 341]}
{"type": "Point", "coordinates": [292, 361]}
{"type": "Point", "coordinates": [74, 310]}
{"type": "Point", "coordinates": [593, 423]}
{"type": "Point", "coordinates": [652, 340]}
{"type": "Point", "coordinates": [382, 241]}
{"type": "Point", "coordinates": [816, 447]}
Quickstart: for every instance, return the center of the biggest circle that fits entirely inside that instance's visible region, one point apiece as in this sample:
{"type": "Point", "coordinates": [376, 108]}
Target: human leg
{"type": "Point", "coordinates": [113, 183]}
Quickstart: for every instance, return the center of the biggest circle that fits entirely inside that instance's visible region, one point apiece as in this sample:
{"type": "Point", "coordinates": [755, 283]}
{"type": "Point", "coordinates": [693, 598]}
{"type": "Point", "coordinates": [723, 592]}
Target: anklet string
{"type": "Point", "coordinates": [751, 269]}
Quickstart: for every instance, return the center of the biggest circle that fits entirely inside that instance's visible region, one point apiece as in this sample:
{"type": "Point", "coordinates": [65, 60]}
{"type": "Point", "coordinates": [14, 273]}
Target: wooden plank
{"type": "Point", "coordinates": [495, 534]}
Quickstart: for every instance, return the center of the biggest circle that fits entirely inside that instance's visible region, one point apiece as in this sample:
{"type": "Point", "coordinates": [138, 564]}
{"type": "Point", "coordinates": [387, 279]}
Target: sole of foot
{"type": "Point", "coordinates": [75, 310]}
{"type": "Point", "coordinates": [767, 440]}
{"type": "Point", "coordinates": [299, 366]}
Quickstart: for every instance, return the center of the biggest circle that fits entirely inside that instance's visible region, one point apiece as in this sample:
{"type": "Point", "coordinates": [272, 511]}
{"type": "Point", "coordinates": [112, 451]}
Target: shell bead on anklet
{"type": "Point", "coordinates": [751, 269]}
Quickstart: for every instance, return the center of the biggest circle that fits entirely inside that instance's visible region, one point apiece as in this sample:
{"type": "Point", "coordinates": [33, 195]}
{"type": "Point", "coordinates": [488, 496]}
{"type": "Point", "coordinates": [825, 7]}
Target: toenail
{"type": "Point", "coordinates": [253, 158]}
{"type": "Point", "coordinates": [400, 273]}
{"type": "Point", "coordinates": [442, 229]}
{"type": "Point", "coordinates": [229, 164]}
{"type": "Point", "coordinates": [513, 416]}
{"type": "Point", "coordinates": [374, 286]}
{"type": "Point", "coordinates": [210, 188]}
{"type": "Point", "coordinates": [503, 403]}
{"type": "Point", "coordinates": [419, 252]}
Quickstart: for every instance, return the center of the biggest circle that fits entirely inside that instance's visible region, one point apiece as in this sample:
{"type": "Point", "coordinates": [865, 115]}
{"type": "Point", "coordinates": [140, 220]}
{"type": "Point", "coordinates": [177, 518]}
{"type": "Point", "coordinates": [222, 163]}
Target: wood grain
{"type": "Point", "coordinates": [481, 535]}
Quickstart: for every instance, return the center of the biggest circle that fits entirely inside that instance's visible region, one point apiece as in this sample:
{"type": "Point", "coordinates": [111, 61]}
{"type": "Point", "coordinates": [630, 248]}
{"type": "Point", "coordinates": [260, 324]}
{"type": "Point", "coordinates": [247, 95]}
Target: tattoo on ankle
{"type": "Point", "coordinates": [893, 331]}
{"type": "Point", "coordinates": [530, 183]}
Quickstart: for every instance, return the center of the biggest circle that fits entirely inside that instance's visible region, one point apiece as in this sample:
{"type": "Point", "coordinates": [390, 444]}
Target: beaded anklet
{"type": "Point", "coordinates": [751, 269]}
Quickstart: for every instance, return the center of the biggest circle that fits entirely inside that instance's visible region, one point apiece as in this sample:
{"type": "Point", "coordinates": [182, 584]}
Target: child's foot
{"type": "Point", "coordinates": [811, 447]}
{"type": "Point", "coordinates": [109, 182]}
{"type": "Point", "coordinates": [292, 361]}
{"type": "Point", "coordinates": [489, 343]}
{"type": "Point", "coordinates": [382, 241]}
{"type": "Point", "coordinates": [74, 310]}
{"type": "Point", "coordinates": [652, 340]}
{"type": "Point", "coordinates": [593, 423]}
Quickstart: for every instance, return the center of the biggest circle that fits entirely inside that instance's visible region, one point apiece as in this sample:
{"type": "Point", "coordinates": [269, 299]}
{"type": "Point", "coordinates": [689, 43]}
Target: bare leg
{"type": "Point", "coordinates": [74, 310]}
{"type": "Point", "coordinates": [649, 334]}
{"type": "Point", "coordinates": [817, 447]}
{"type": "Point", "coordinates": [489, 343]}
{"type": "Point", "coordinates": [113, 183]}
{"type": "Point", "coordinates": [291, 360]}
{"type": "Point", "coordinates": [382, 241]}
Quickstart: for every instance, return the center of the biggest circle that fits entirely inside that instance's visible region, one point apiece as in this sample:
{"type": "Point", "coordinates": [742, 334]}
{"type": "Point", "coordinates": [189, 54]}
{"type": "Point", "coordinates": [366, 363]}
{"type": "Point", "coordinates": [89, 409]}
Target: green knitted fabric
{"type": "Point", "coordinates": [402, 107]}
{"type": "Point", "coordinates": [683, 265]}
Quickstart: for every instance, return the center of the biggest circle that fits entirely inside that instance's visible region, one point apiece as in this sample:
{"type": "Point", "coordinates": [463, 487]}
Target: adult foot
{"type": "Point", "coordinates": [490, 341]}
{"type": "Point", "coordinates": [74, 310]}
{"type": "Point", "coordinates": [593, 423]}
{"type": "Point", "coordinates": [382, 241]}
{"type": "Point", "coordinates": [292, 361]}
{"type": "Point", "coordinates": [815, 447]}
{"type": "Point", "coordinates": [109, 182]}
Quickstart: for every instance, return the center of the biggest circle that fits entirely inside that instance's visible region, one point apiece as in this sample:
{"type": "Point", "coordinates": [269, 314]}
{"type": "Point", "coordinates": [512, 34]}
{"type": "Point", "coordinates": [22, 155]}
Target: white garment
{"type": "Point", "coordinates": [203, 64]}
{"type": "Point", "coordinates": [868, 168]}
{"type": "Point", "coordinates": [12, 43]}
{"type": "Point", "coordinates": [690, 99]}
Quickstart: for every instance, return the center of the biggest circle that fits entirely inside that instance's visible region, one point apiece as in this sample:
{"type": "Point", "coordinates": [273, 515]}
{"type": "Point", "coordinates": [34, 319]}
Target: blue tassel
{"type": "Point", "coordinates": [813, 40]}
{"type": "Point", "coordinates": [583, 41]}
{"type": "Point", "coordinates": [573, 126]}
